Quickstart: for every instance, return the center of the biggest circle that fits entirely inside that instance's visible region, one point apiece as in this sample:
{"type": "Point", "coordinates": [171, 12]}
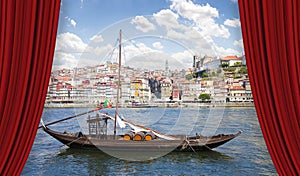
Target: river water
{"type": "Point", "coordinates": [245, 155]}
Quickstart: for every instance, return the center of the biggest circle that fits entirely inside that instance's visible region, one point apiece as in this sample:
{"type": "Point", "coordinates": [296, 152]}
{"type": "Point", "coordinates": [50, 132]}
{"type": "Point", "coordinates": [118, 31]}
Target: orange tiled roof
{"type": "Point", "coordinates": [63, 78]}
{"type": "Point", "coordinates": [237, 88]}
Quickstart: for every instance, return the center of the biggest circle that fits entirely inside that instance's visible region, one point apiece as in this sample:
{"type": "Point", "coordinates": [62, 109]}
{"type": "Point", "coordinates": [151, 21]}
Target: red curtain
{"type": "Point", "coordinates": [272, 46]}
{"type": "Point", "coordinates": [271, 40]}
{"type": "Point", "coordinates": [27, 40]}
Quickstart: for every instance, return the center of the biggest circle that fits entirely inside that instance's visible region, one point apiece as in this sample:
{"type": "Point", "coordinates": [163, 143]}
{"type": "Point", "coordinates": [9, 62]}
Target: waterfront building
{"type": "Point", "coordinates": [190, 91]}
{"type": "Point", "coordinates": [91, 95]}
{"type": "Point", "coordinates": [211, 63]}
{"type": "Point", "coordinates": [102, 68]}
{"type": "Point", "coordinates": [219, 93]}
{"type": "Point", "coordinates": [177, 91]}
{"type": "Point", "coordinates": [166, 89]}
{"type": "Point", "coordinates": [105, 90]}
{"type": "Point", "coordinates": [63, 93]}
{"type": "Point", "coordinates": [248, 92]}
{"type": "Point", "coordinates": [91, 69]}
{"type": "Point", "coordinates": [140, 90]}
{"type": "Point", "coordinates": [205, 63]}
{"type": "Point", "coordinates": [231, 60]}
{"type": "Point", "coordinates": [125, 91]}
{"type": "Point", "coordinates": [97, 83]}
{"type": "Point", "coordinates": [236, 93]}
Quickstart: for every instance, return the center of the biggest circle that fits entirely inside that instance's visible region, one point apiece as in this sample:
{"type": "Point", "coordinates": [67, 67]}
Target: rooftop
{"type": "Point", "coordinates": [227, 58]}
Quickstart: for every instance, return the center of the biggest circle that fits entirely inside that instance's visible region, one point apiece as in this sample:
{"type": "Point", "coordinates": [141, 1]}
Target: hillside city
{"type": "Point", "coordinates": [210, 80]}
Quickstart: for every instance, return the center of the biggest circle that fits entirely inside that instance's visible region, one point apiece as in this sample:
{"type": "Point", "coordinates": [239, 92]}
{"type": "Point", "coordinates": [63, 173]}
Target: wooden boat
{"type": "Point", "coordinates": [181, 143]}
{"type": "Point", "coordinates": [140, 139]}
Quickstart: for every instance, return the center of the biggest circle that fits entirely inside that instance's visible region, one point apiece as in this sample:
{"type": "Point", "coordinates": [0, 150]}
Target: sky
{"type": "Point", "coordinates": [152, 30]}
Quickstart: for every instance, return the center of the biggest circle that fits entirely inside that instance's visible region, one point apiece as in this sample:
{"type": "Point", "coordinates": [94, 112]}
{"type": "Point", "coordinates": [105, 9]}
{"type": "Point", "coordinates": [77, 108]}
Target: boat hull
{"type": "Point", "coordinates": [117, 144]}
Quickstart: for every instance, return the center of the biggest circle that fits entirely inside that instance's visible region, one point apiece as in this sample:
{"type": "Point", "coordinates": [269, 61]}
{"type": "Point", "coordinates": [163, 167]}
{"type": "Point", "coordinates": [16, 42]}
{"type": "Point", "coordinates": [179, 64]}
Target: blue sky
{"type": "Point", "coordinates": [177, 29]}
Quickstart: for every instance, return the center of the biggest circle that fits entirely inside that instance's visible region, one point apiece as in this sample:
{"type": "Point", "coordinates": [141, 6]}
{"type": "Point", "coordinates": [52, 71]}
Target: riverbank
{"type": "Point", "coordinates": [160, 105]}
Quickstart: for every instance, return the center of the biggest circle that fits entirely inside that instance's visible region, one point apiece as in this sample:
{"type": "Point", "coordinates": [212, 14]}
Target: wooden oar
{"type": "Point", "coordinates": [67, 118]}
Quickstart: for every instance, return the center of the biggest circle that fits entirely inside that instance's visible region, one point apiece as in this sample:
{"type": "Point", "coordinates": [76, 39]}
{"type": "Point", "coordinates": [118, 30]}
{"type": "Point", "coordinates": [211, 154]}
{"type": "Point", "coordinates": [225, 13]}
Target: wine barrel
{"type": "Point", "coordinates": [149, 136]}
{"type": "Point", "coordinates": [128, 136]}
{"type": "Point", "coordinates": [139, 136]}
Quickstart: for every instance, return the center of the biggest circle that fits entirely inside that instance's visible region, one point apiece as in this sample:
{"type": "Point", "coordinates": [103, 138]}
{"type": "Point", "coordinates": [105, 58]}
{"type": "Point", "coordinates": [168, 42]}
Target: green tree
{"type": "Point", "coordinates": [213, 74]}
{"type": "Point", "coordinates": [243, 70]}
{"type": "Point", "coordinates": [224, 65]}
{"type": "Point", "coordinates": [229, 69]}
{"type": "Point", "coordinates": [204, 75]}
{"type": "Point", "coordinates": [237, 76]}
{"type": "Point", "coordinates": [188, 76]}
{"type": "Point", "coordinates": [204, 96]}
{"type": "Point", "coordinates": [237, 64]}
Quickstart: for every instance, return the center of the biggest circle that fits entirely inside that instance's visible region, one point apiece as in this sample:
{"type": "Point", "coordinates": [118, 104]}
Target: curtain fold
{"type": "Point", "coordinates": [270, 32]}
{"type": "Point", "coordinates": [27, 41]}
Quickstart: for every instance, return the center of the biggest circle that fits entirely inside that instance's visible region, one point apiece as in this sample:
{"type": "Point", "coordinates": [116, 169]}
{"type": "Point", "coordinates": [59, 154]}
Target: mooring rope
{"type": "Point", "coordinates": [74, 141]}
{"type": "Point", "coordinates": [187, 143]}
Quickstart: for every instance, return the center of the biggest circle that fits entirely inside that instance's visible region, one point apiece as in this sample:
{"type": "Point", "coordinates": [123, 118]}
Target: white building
{"type": "Point", "coordinates": [231, 60]}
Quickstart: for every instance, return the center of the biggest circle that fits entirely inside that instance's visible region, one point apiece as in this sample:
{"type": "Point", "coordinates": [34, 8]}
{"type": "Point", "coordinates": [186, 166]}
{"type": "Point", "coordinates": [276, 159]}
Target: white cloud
{"type": "Point", "coordinates": [68, 50]}
{"type": "Point", "coordinates": [201, 16]}
{"type": "Point", "coordinates": [232, 23]}
{"type": "Point", "coordinates": [71, 51]}
{"type": "Point", "coordinates": [142, 24]}
{"type": "Point", "coordinates": [193, 26]}
{"type": "Point", "coordinates": [199, 44]}
{"type": "Point", "coordinates": [155, 60]}
{"type": "Point", "coordinates": [234, 1]}
{"type": "Point", "coordinates": [137, 49]}
{"type": "Point", "coordinates": [184, 57]}
{"type": "Point", "coordinates": [198, 31]}
{"type": "Point", "coordinates": [157, 45]}
{"type": "Point", "coordinates": [71, 22]}
{"type": "Point", "coordinates": [221, 51]}
{"type": "Point", "coordinates": [69, 42]}
{"type": "Point", "coordinates": [167, 18]}
{"type": "Point", "coordinates": [238, 43]}
{"type": "Point", "coordinates": [81, 4]}
{"type": "Point", "coordinates": [101, 50]}
{"type": "Point", "coordinates": [96, 38]}
{"type": "Point", "coordinates": [193, 39]}
{"type": "Point", "coordinates": [176, 35]}
{"type": "Point", "coordinates": [189, 10]}
{"type": "Point", "coordinates": [64, 60]}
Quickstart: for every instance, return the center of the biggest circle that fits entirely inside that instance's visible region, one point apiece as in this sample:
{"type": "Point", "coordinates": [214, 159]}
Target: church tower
{"type": "Point", "coordinates": [167, 66]}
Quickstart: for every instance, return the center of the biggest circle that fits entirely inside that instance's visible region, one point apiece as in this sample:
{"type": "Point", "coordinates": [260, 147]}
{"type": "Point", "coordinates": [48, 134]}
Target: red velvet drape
{"type": "Point", "coordinates": [271, 34]}
{"type": "Point", "coordinates": [27, 40]}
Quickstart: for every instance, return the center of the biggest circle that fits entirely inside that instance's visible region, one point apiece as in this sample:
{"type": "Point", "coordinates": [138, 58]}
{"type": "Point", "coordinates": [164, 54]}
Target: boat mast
{"type": "Point", "coordinates": [119, 83]}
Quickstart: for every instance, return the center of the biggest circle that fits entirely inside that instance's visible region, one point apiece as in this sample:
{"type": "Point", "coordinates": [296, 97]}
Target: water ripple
{"type": "Point", "coordinates": [245, 155]}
